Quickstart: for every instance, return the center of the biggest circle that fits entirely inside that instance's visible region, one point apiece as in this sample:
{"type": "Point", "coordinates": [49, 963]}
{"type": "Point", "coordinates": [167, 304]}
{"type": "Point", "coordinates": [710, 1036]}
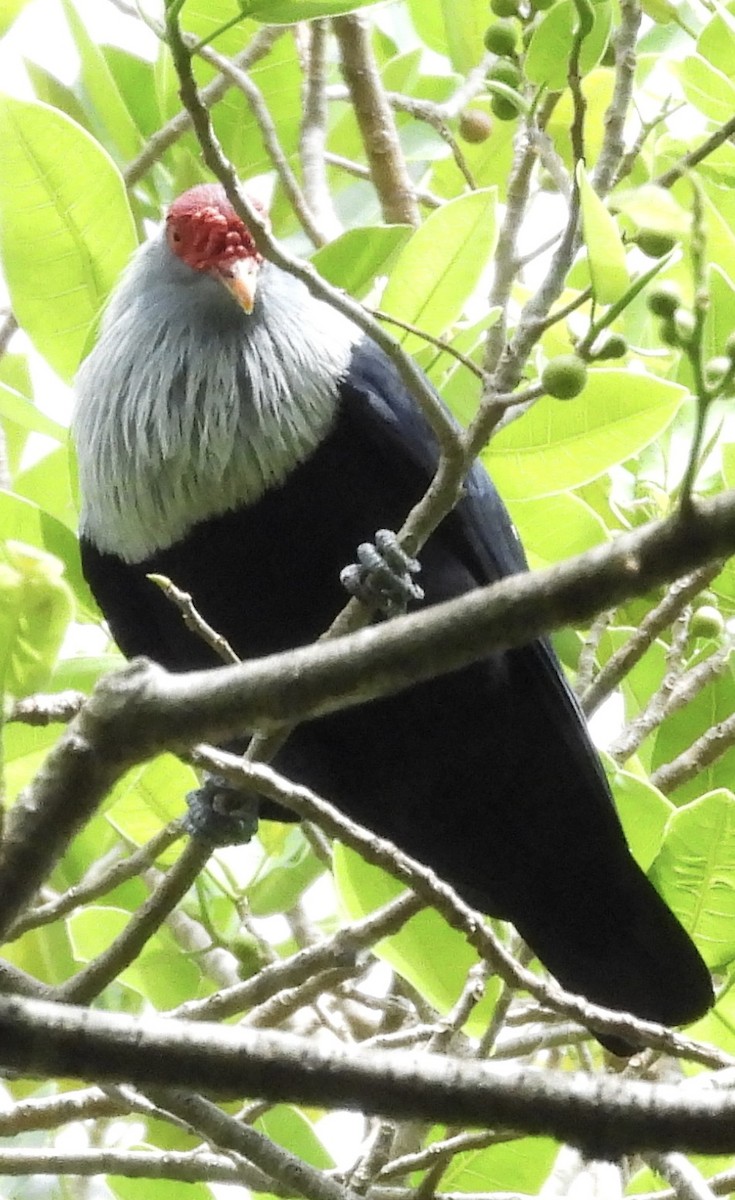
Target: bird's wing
{"type": "Point", "coordinates": [479, 533]}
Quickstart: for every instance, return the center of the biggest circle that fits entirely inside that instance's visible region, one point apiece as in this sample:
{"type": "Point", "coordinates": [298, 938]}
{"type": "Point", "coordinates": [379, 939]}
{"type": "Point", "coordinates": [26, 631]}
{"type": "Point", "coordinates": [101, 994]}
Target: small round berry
{"type": "Point", "coordinates": [664, 300]}
{"type": "Point", "coordinates": [564, 377]}
{"type": "Point", "coordinates": [474, 125]}
{"type": "Point", "coordinates": [707, 622]}
{"type": "Point", "coordinates": [615, 346]}
{"type": "Point", "coordinates": [504, 8]}
{"type": "Point", "coordinates": [501, 37]}
{"type": "Point", "coordinates": [505, 71]}
{"type": "Point", "coordinates": [653, 243]}
{"type": "Point", "coordinates": [503, 108]}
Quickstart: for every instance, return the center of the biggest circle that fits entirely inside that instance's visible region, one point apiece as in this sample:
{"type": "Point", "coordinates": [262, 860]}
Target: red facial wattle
{"type": "Point", "coordinates": [205, 232]}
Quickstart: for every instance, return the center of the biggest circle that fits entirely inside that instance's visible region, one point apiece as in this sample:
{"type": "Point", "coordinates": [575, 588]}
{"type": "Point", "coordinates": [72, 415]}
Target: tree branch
{"type": "Point", "coordinates": [376, 121]}
{"type": "Point", "coordinates": [603, 1115]}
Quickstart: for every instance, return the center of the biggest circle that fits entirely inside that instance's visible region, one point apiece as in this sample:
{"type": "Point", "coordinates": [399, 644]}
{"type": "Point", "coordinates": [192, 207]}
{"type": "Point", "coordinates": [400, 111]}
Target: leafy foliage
{"type": "Point", "coordinates": [525, 189]}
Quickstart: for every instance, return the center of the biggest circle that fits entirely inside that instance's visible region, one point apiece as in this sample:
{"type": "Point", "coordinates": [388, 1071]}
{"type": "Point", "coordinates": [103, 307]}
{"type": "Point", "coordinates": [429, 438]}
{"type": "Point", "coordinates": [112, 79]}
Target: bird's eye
{"type": "Point", "coordinates": [175, 237]}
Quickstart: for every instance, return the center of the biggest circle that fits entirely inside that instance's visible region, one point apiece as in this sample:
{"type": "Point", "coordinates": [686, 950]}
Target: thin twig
{"type": "Point", "coordinates": [42, 710]}
{"type": "Point", "coordinates": [700, 754]}
{"type": "Point", "coordinates": [681, 1173]}
{"type": "Point", "coordinates": [211, 94]}
{"type": "Point", "coordinates": [146, 921]}
{"type": "Point", "coordinates": [656, 620]}
{"type": "Point", "coordinates": [360, 171]}
{"type": "Point", "coordinates": [94, 885]}
{"type": "Point", "coordinates": [194, 620]}
{"type": "Point", "coordinates": [239, 77]}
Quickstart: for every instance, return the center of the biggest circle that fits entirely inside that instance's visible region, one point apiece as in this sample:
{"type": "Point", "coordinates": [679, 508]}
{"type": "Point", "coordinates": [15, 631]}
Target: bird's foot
{"type": "Point", "coordinates": [383, 575]}
{"type": "Point", "coordinates": [221, 813]}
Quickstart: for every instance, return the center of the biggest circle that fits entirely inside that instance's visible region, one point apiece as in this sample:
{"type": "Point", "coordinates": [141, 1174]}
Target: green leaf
{"type": "Point", "coordinates": [715, 703]}
{"type": "Point", "coordinates": [353, 260]}
{"type": "Point", "coordinates": [286, 12]}
{"type": "Point", "coordinates": [107, 107]}
{"type": "Point", "coordinates": [48, 484]}
{"type": "Point", "coordinates": [720, 316]}
{"type": "Point", "coordinates": [35, 610]}
{"type": "Point", "coordinates": [453, 27]}
{"type": "Point", "coordinates": [559, 445]}
{"type": "Point", "coordinates": [694, 873]}
{"type": "Point", "coordinates": [653, 207]}
{"type": "Point", "coordinates": [64, 235]}
{"type": "Point", "coordinates": [134, 79]}
{"type": "Point", "coordinates": [287, 1126]}
{"type": "Point", "coordinates": [465, 22]}
{"type": "Point", "coordinates": [426, 951]}
{"type": "Point", "coordinates": [160, 973]}
{"type": "Point", "coordinates": [149, 796]}
{"type": "Point", "coordinates": [605, 250]}
{"type": "Point", "coordinates": [284, 876]}
{"type": "Point", "coordinates": [518, 1166]}
{"type": "Point", "coordinates": [644, 812]}
{"type": "Point", "coordinates": [54, 93]}
{"type": "Point", "coordinates": [720, 237]}
{"type": "Point", "coordinates": [706, 88]}
{"type": "Point", "coordinates": [597, 89]}
{"type": "Point", "coordinates": [547, 58]}
{"type": "Point", "coordinates": [128, 1188]}
{"type": "Point", "coordinates": [23, 411]}
{"type": "Point", "coordinates": [9, 12]}
{"type": "Point", "coordinates": [557, 527]}
{"type": "Point", "coordinates": [442, 264]}
{"type": "Point", "coordinates": [23, 521]}
{"type": "Point", "coordinates": [716, 43]}
{"type": "Point", "coordinates": [279, 79]}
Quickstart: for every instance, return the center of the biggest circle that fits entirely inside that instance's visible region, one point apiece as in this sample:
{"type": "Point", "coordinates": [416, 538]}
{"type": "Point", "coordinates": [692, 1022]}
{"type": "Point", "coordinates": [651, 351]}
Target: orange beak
{"type": "Point", "coordinates": [241, 280]}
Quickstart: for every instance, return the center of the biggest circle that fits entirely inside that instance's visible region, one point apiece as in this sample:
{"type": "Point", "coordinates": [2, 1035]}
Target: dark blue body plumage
{"type": "Point", "coordinates": [486, 774]}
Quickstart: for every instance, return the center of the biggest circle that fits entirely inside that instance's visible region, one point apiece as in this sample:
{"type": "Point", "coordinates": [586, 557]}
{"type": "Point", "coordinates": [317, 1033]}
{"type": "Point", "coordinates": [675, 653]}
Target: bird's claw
{"type": "Point", "coordinates": [221, 814]}
{"type": "Point", "coordinates": [383, 575]}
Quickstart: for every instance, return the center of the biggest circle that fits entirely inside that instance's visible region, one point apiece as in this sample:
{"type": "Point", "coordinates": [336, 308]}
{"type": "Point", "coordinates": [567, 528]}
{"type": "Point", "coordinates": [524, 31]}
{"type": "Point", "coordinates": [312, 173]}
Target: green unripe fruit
{"type": "Point", "coordinates": [504, 8]}
{"type": "Point", "coordinates": [249, 953]}
{"type": "Point", "coordinates": [613, 347]}
{"type": "Point", "coordinates": [707, 622]}
{"type": "Point", "coordinates": [474, 125]}
{"type": "Point", "coordinates": [564, 377]}
{"type": "Point", "coordinates": [540, 5]}
{"type": "Point", "coordinates": [653, 243]}
{"type": "Point", "coordinates": [505, 71]}
{"type": "Point", "coordinates": [503, 108]}
{"type": "Point", "coordinates": [664, 300]}
{"type": "Point", "coordinates": [501, 37]}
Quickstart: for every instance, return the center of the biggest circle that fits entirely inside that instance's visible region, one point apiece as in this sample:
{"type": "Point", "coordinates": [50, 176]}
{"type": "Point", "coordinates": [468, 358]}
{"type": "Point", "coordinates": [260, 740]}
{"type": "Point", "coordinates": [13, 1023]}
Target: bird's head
{"type": "Point", "coordinates": [205, 232]}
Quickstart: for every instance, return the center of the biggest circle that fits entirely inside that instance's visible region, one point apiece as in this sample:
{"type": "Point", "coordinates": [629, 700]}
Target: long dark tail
{"type": "Point", "coordinates": [623, 948]}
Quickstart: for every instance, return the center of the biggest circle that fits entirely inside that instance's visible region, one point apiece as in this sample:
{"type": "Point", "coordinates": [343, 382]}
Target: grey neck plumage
{"type": "Point", "coordinates": [187, 407]}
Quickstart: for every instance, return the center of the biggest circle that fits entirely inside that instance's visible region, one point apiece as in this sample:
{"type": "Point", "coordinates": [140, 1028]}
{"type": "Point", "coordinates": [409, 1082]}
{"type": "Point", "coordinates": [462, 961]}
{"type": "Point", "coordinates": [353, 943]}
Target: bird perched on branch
{"type": "Point", "coordinates": [243, 438]}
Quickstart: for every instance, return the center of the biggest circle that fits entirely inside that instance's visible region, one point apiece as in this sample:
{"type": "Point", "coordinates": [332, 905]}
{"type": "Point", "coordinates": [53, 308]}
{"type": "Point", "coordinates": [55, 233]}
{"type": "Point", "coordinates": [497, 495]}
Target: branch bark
{"type": "Point", "coordinates": [376, 121]}
{"type": "Point", "coordinates": [605, 1116]}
